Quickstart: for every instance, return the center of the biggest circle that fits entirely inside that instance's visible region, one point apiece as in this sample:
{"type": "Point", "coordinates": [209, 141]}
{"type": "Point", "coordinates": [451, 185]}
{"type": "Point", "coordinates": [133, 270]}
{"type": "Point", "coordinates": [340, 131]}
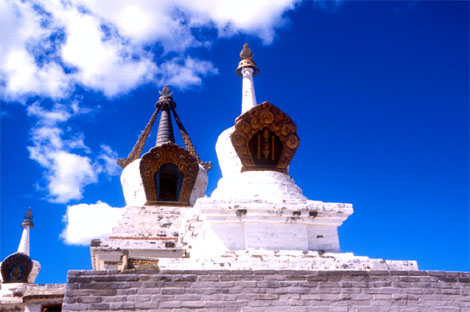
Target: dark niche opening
{"type": "Point", "coordinates": [168, 182]}
{"type": "Point", "coordinates": [265, 148]}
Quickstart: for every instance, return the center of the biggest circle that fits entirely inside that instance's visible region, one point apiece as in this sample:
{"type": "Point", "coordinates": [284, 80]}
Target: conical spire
{"type": "Point", "coordinates": [166, 106]}
{"type": "Point", "coordinates": [165, 128]}
{"type": "Point", "coordinates": [27, 224]}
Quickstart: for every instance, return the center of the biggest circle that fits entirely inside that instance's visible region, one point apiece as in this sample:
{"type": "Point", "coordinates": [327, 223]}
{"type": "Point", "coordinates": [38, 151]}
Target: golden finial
{"type": "Point", "coordinates": [29, 214]}
{"type": "Point", "coordinates": [28, 219]}
{"type": "Point", "coordinates": [247, 61]}
{"type": "Point", "coordinates": [246, 54]}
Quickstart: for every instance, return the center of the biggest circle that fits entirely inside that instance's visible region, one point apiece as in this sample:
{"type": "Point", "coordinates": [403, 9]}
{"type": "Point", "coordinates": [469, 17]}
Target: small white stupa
{"type": "Point", "coordinates": [158, 189]}
{"type": "Point", "coordinates": [18, 270]}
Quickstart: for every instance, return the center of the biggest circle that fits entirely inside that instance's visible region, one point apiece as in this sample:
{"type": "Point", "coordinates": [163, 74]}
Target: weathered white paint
{"type": "Point", "coordinates": [217, 225]}
{"type": "Point", "coordinates": [200, 186]}
{"type": "Point", "coordinates": [34, 272]}
{"type": "Point", "coordinates": [142, 231]}
{"type": "Point", "coordinates": [248, 89]}
{"type": "Point", "coordinates": [260, 259]}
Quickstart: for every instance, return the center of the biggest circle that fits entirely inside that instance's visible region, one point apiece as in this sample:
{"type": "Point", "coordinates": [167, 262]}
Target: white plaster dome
{"type": "Point", "coordinates": [133, 187]}
{"type": "Point", "coordinates": [235, 184]}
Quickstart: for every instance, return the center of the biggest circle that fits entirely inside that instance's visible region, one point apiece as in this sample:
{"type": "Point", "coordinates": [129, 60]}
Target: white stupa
{"type": "Point", "coordinates": [257, 217]}
{"type": "Point", "coordinates": [158, 188]}
{"type": "Point", "coordinates": [18, 270]}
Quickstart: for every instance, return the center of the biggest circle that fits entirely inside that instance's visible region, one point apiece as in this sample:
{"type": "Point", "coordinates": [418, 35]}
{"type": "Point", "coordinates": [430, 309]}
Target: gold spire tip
{"type": "Point", "coordinates": [28, 219]}
{"type": "Point", "coordinates": [247, 61]}
{"type": "Point", "coordinates": [165, 91]}
{"type": "Point", "coordinates": [29, 214]}
{"type": "Point", "coordinates": [246, 53]}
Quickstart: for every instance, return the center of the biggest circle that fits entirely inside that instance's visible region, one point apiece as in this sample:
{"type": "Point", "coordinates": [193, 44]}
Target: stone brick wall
{"type": "Point", "coordinates": [269, 290]}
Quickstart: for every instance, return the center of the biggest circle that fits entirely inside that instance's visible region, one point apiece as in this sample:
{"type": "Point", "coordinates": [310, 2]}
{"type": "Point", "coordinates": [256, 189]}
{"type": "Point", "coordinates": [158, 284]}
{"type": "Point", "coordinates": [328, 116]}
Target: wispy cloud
{"type": "Point", "coordinates": [49, 47]}
{"type": "Point", "coordinates": [67, 165]}
{"type": "Point", "coordinates": [98, 220]}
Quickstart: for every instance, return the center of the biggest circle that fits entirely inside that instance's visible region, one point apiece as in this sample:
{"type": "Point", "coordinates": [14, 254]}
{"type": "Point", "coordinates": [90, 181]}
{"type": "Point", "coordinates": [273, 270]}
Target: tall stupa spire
{"type": "Point", "coordinates": [247, 69]}
{"type": "Point", "coordinates": [27, 224]}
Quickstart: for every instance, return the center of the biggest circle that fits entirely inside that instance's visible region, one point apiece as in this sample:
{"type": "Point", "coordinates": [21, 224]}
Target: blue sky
{"type": "Point", "coordinates": [379, 92]}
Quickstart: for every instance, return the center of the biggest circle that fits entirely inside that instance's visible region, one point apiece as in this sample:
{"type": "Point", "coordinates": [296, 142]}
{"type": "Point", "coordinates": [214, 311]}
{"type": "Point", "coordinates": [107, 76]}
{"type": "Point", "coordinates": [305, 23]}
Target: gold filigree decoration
{"type": "Point", "coordinates": [265, 138]}
{"type": "Point", "coordinates": [168, 153]}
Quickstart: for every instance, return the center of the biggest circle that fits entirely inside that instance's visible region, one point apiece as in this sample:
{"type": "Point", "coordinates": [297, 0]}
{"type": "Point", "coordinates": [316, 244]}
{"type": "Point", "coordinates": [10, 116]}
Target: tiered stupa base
{"type": "Point", "coordinates": [214, 226]}
{"type": "Point", "coordinates": [258, 259]}
{"type": "Point", "coordinates": [144, 234]}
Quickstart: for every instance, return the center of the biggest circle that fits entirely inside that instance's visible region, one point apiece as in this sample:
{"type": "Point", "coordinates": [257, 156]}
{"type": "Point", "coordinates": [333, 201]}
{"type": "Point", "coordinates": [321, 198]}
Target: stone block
{"type": "Point", "coordinates": [169, 304]}
{"type": "Point", "coordinates": [192, 304]}
{"type": "Point", "coordinates": [173, 291]}
{"type": "Point", "coordinates": [126, 306]}
{"type": "Point", "coordinates": [214, 304]}
{"type": "Point", "coordinates": [98, 306]}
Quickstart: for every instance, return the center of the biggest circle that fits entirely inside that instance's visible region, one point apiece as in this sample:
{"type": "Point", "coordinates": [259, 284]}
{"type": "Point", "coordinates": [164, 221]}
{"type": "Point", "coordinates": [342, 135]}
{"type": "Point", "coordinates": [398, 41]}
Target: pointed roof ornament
{"type": "Point", "coordinates": [247, 61]}
{"type": "Point", "coordinates": [246, 52]}
{"type": "Point", "coordinates": [165, 105]}
{"type": "Point", "coordinates": [165, 101]}
{"type": "Point", "coordinates": [28, 219]}
{"type": "Point", "coordinates": [165, 92]}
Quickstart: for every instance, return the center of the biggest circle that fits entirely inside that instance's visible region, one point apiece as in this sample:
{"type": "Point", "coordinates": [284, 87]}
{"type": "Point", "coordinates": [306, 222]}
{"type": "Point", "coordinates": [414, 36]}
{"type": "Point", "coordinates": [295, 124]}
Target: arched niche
{"type": "Point", "coordinates": [16, 268]}
{"type": "Point", "coordinates": [265, 148]}
{"type": "Point", "coordinates": [168, 174]}
{"type": "Point", "coordinates": [265, 138]}
{"type": "Point", "coordinates": [168, 181]}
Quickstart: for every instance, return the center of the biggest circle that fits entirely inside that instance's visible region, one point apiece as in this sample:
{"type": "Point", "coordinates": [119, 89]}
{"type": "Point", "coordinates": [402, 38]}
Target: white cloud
{"type": "Point", "coordinates": [107, 161]}
{"type": "Point", "coordinates": [181, 73]}
{"type": "Point", "coordinates": [66, 170]}
{"type": "Point", "coordinates": [50, 46]}
{"type": "Point", "coordinates": [69, 173]}
{"type": "Point", "coordinates": [259, 18]}
{"type": "Point", "coordinates": [21, 30]}
{"type": "Point", "coordinates": [85, 222]}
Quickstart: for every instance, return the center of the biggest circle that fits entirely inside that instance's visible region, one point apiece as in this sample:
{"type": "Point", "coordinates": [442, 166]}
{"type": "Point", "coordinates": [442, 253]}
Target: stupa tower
{"type": "Point", "coordinates": [18, 292]}
{"type": "Point", "coordinates": [18, 269]}
{"type": "Point", "coordinates": [158, 188]}
{"type": "Point", "coordinates": [257, 205]}
{"type": "Point", "coordinates": [257, 217]}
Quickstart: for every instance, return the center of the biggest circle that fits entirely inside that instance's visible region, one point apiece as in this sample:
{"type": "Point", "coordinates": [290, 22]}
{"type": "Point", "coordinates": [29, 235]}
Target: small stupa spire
{"type": "Point", "coordinates": [247, 69]}
{"type": "Point", "coordinates": [165, 127]}
{"type": "Point", "coordinates": [27, 224]}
